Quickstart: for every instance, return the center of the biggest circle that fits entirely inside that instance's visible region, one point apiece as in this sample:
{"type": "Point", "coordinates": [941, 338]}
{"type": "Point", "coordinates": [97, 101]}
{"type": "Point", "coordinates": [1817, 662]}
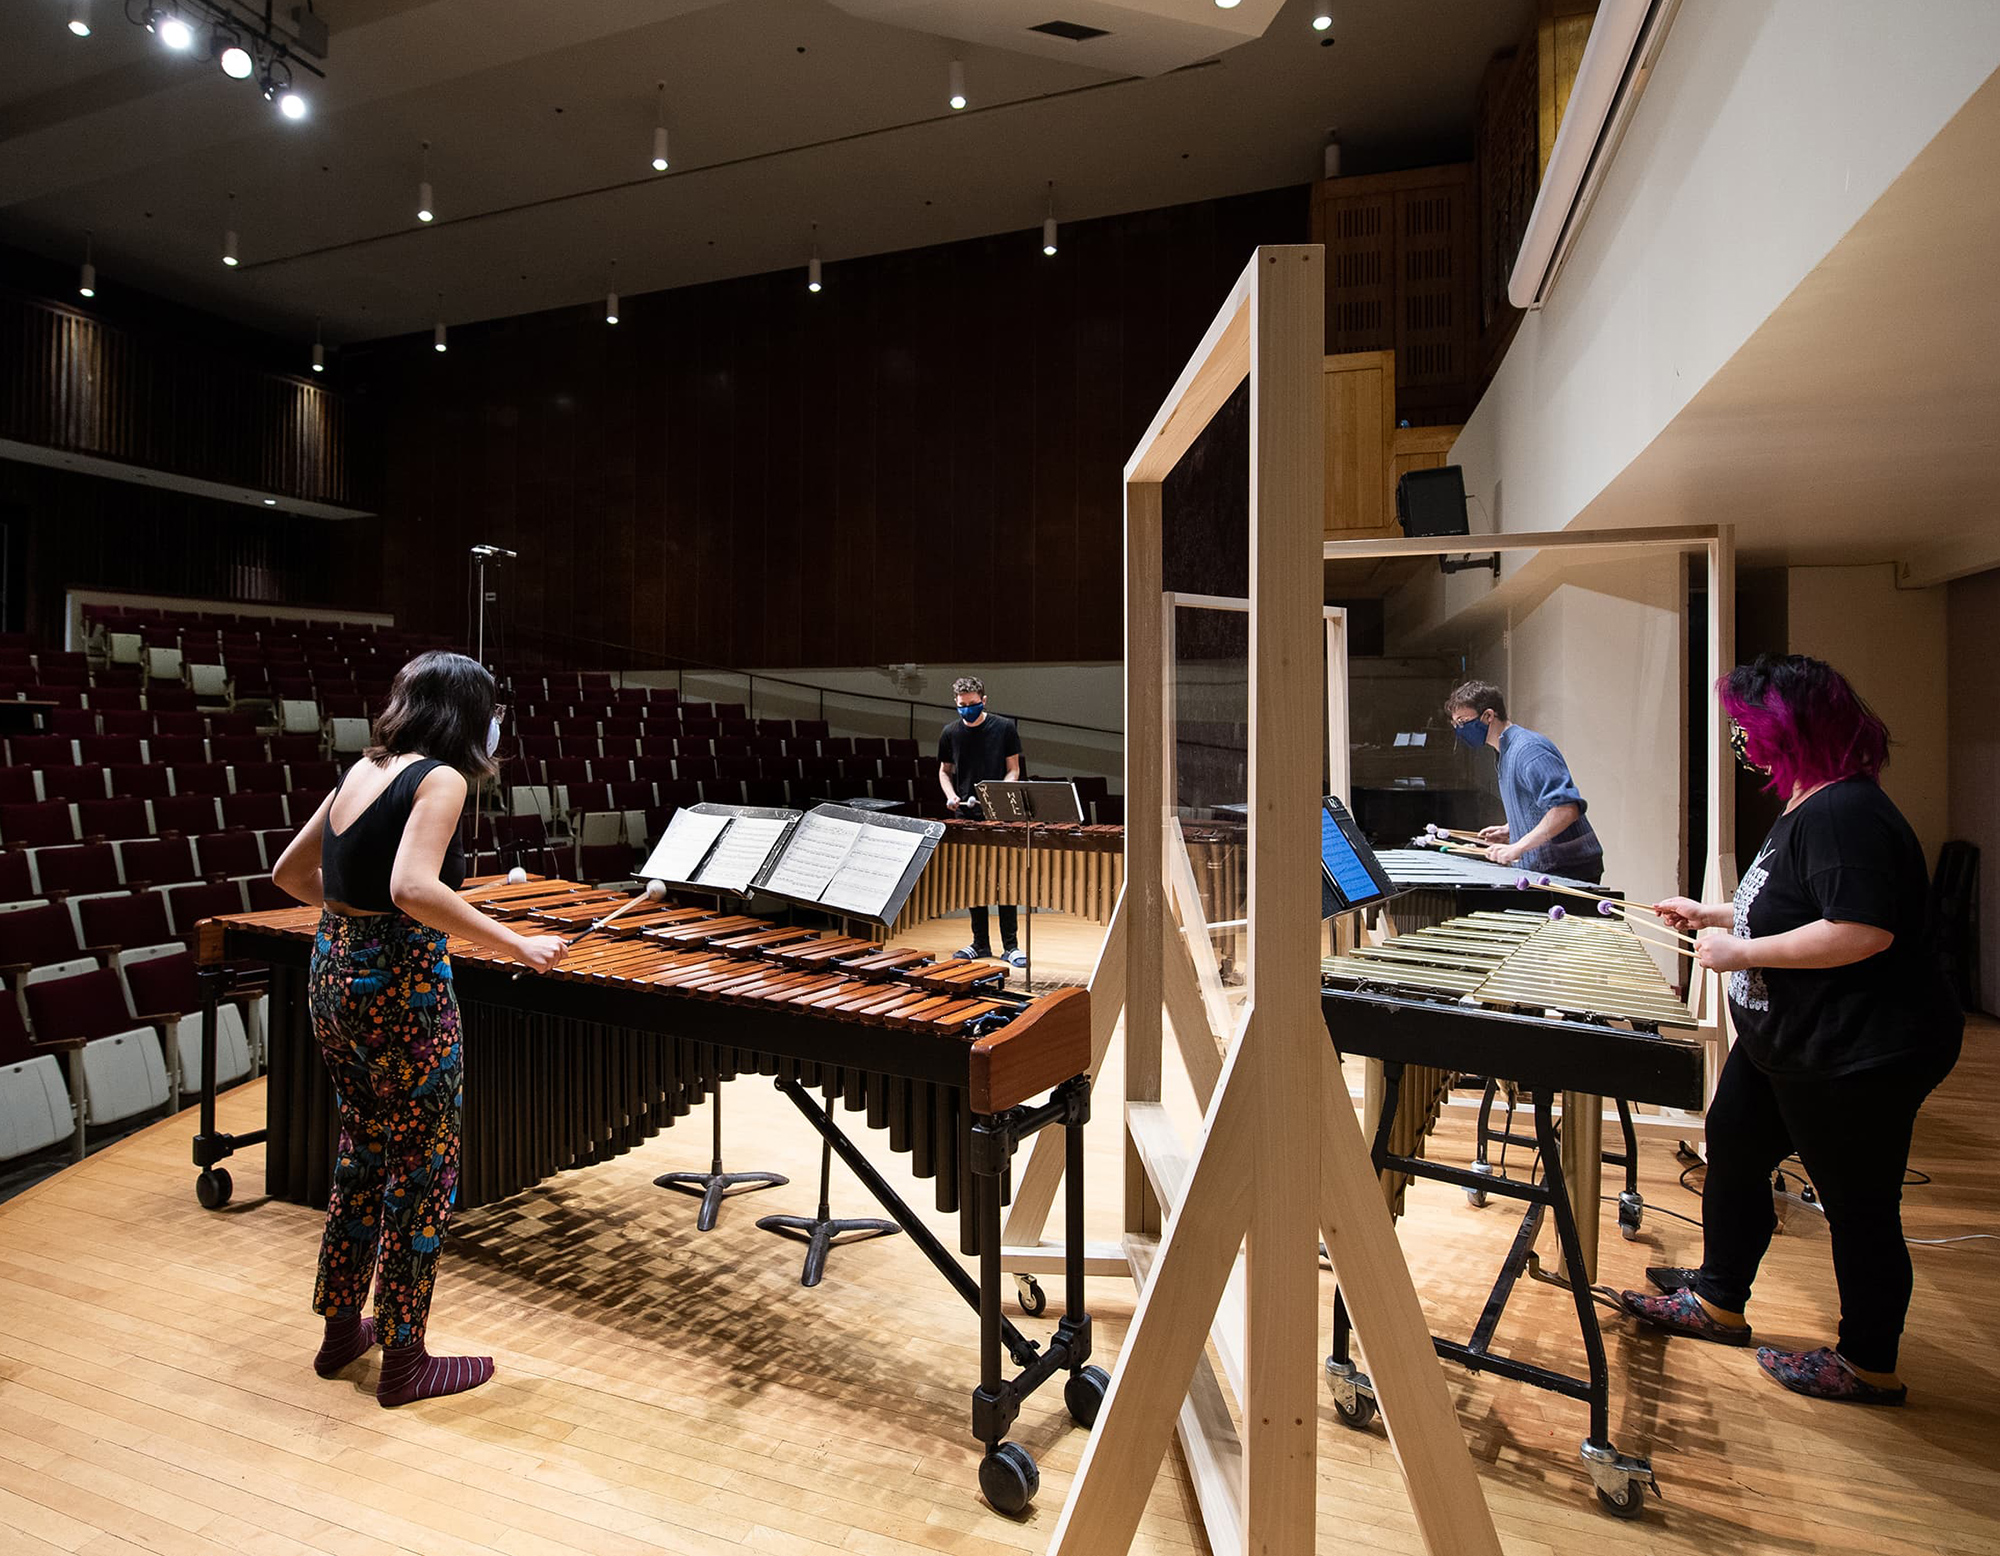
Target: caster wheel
{"type": "Point", "coordinates": [1358, 1414]}
{"type": "Point", "coordinates": [1476, 1198]}
{"type": "Point", "coordinates": [1084, 1394]}
{"type": "Point", "coordinates": [212, 1188]}
{"type": "Point", "coordinates": [1628, 1504]}
{"type": "Point", "coordinates": [1028, 1292]}
{"type": "Point", "coordinates": [1009, 1479]}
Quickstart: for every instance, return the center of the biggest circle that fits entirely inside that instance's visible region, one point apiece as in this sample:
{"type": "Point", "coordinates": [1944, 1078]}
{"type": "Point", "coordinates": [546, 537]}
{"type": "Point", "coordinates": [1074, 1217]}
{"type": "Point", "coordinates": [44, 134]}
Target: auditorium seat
{"type": "Point", "coordinates": [201, 778]}
{"type": "Point", "coordinates": [775, 729]}
{"type": "Point", "coordinates": [125, 922]}
{"type": "Point", "coordinates": [763, 791]}
{"type": "Point", "coordinates": [238, 750]}
{"type": "Point", "coordinates": [189, 813]}
{"type": "Point", "coordinates": [22, 785]}
{"type": "Point", "coordinates": [124, 1070]}
{"type": "Point", "coordinates": [35, 1109]}
{"type": "Point", "coordinates": [232, 726]}
{"type": "Point", "coordinates": [125, 721]}
{"type": "Point", "coordinates": [177, 751]}
{"type": "Point", "coordinates": [265, 894]}
{"type": "Point", "coordinates": [835, 745]}
{"type": "Point", "coordinates": [75, 784]}
{"type": "Point", "coordinates": [43, 942]}
{"type": "Point", "coordinates": [809, 729]}
{"type": "Point", "coordinates": [349, 735]}
{"type": "Point", "coordinates": [296, 748]}
{"type": "Point", "coordinates": [42, 825]}
{"type": "Point", "coordinates": [187, 906]}
{"type": "Point", "coordinates": [298, 716]}
{"type": "Point", "coordinates": [43, 751]}
{"type": "Point", "coordinates": [159, 861]}
{"type": "Point", "coordinates": [71, 722]}
{"type": "Point", "coordinates": [77, 870]}
{"type": "Point", "coordinates": [230, 854]}
{"type": "Point", "coordinates": [871, 746]}
{"type": "Point", "coordinates": [17, 880]}
{"type": "Point", "coordinates": [114, 820]}
{"type": "Point", "coordinates": [161, 989]}
{"type": "Point", "coordinates": [258, 777]}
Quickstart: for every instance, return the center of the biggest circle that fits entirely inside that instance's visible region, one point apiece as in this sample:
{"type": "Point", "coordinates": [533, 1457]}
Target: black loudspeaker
{"type": "Point", "coordinates": [1432, 502]}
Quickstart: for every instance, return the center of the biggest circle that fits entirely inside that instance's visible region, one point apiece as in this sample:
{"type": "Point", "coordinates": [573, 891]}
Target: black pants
{"type": "Point", "coordinates": [1009, 926]}
{"type": "Point", "coordinates": [1852, 1132]}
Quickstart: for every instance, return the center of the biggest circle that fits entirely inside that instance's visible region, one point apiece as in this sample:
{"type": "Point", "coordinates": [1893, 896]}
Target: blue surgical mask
{"type": "Point", "coordinates": [492, 736]}
{"type": "Point", "coordinates": [1472, 732]}
{"type": "Point", "coordinates": [970, 710]}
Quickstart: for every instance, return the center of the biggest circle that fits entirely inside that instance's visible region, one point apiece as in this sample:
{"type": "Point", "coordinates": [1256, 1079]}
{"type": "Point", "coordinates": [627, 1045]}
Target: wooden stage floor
{"type": "Point", "coordinates": [660, 1390]}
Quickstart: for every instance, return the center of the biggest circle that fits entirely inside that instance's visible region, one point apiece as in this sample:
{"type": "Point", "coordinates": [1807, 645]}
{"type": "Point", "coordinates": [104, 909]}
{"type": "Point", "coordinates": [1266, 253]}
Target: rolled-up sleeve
{"type": "Point", "coordinates": [1546, 776]}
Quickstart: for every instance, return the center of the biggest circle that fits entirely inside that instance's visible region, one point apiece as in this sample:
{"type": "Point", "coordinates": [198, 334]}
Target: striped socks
{"type": "Point", "coordinates": [348, 1339]}
{"type": "Point", "coordinates": [409, 1373]}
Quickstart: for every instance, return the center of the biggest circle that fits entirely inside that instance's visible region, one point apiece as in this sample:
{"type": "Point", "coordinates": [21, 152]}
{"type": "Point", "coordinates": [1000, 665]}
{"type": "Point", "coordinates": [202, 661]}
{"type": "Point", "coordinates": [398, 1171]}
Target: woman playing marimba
{"type": "Point", "coordinates": [1844, 1025]}
{"type": "Point", "coordinates": [381, 858]}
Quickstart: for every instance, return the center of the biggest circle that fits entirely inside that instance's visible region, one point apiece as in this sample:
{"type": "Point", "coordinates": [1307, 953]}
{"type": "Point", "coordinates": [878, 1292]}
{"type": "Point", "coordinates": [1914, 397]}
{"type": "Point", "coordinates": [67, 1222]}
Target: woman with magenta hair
{"type": "Point", "coordinates": [1844, 1025]}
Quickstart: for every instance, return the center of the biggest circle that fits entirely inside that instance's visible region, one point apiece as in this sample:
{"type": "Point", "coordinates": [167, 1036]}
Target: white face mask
{"type": "Point", "coordinates": [492, 736]}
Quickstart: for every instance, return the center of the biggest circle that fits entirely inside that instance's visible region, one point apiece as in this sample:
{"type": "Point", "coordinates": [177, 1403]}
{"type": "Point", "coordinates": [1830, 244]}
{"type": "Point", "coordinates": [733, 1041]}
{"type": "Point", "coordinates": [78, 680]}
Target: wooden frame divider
{"type": "Point", "coordinates": [1280, 1163]}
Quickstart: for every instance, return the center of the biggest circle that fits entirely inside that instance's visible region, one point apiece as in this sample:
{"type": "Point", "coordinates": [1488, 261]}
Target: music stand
{"type": "Point", "coordinates": [1034, 802]}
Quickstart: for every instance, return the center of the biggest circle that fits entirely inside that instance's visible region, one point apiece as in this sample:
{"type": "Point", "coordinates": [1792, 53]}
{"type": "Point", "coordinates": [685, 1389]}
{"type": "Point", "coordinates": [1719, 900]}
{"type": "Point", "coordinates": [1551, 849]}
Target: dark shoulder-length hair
{"type": "Point", "coordinates": [440, 705]}
{"type": "Point", "coordinates": [1802, 722]}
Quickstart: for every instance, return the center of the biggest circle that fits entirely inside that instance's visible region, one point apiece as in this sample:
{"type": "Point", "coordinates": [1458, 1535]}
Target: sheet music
{"type": "Point", "coordinates": [874, 865]}
{"type": "Point", "coordinates": [813, 857]}
{"type": "Point", "coordinates": [679, 854]}
{"type": "Point", "coordinates": [741, 853]}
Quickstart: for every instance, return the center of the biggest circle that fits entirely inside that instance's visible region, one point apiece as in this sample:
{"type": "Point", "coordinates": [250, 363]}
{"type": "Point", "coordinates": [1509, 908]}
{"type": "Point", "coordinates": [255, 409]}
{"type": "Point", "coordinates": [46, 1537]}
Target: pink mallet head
{"type": "Point", "coordinates": [1604, 908]}
{"type": "Point", "coordinates": [1558, 912]}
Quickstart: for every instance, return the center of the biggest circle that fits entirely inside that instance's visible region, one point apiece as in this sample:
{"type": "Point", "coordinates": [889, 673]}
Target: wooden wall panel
{"type": "Point", "coordinates": [77, 381]}
{"type": "Point", "coordinates": [921, 463]}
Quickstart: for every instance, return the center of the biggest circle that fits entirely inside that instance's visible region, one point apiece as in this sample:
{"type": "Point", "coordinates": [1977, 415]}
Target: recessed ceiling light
{"type": "Point", "coordinates": [1322, 21]}
{"type": "Point", "coordinates": [270, 502]}
{"type": "Point", "coordinates": [957, 82]}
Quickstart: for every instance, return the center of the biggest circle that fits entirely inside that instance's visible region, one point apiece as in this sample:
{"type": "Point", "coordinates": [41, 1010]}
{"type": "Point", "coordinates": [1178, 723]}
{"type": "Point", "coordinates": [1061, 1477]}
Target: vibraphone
{"type": "Point", "coordinates": [1076, 869]}
{"type": "Point", "coordinates": [1434, 887]}
{"type": "Point", "coordinates": [649, 1016]}
{"type": "Point", "coordinates": [1573, 1007]}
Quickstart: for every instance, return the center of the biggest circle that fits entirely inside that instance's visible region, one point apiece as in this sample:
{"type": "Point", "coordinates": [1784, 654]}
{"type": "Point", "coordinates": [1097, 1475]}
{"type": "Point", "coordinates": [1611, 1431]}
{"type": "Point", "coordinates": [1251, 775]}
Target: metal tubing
{"type": "Point", "coordinates": [1579, 1288]}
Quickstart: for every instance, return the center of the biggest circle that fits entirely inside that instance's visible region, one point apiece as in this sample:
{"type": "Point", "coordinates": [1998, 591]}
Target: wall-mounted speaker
{"type": "Point", "coordinates": [1432, 502]}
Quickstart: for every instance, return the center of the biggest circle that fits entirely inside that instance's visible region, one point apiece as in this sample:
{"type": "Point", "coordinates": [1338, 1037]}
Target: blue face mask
{"type": "Point", "coordinates": [970, 710]}
{"type": "Point", "coordinates": [1472, 732]}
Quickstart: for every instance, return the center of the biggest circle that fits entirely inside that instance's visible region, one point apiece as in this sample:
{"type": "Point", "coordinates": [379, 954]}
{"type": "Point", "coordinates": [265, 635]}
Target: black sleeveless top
{"type": "Point", "coordinates": [354, 865]}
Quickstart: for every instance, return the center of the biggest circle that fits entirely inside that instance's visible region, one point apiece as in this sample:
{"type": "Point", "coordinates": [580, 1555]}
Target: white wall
{"type": "Point", "coordinates": [1597, 665]}
{"type": "Point", "coordinates": [1768, 128]}
{"type": "Point", "coordinates": [1890, 643]}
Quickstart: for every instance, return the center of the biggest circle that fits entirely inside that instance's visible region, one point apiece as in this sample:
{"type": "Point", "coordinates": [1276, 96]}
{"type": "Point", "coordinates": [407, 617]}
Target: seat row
{"type": "Point", "coordinates": [52, 823]}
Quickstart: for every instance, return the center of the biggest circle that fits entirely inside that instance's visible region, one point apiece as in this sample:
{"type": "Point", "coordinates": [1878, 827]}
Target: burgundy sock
{"type": "Point", "coordinates": [347, 1340]}
{"type": "Point", "coordinates": [410, 1373]}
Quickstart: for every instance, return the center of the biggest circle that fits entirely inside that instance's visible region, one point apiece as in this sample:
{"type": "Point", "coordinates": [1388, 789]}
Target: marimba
{"type": "Point", "coordinates": [648, 1017]}
{"type": "Point", "coordinates": [1074, 869]}
{"type": "Point", "coordinates": [1573, 1007]}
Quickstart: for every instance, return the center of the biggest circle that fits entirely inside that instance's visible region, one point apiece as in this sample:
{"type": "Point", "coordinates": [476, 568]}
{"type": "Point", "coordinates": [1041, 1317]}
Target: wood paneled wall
{"type": "Point", "coordinates": [67, 530]}
{"type": "Point", "coordinates": [75, 380]}
{"type": "Point", "coordinates": [920, 463]}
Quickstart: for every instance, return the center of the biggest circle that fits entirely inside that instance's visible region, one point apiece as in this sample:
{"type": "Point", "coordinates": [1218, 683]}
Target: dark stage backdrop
{"type": "Point", "coordinates": [921, 463]}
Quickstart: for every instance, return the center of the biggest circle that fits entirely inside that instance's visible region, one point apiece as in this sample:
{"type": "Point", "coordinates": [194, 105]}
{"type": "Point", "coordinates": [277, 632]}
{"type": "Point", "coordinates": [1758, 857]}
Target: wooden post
{"type": "Point", "coordinates": [1281, 1154]}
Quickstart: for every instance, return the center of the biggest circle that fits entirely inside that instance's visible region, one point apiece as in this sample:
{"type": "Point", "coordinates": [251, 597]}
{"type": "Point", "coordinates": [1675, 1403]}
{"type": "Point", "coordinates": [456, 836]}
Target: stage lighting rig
{"type": "Point", "coordinates": [247, 42]}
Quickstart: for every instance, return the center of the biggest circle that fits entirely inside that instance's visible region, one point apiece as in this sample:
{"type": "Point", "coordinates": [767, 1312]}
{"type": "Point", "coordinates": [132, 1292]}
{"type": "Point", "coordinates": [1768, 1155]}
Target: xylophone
{"type": "Point", "coordinates": [1571, 1007]}
{"type": "Point", "coordinates": [1075, 869]}
{"type": "Point", "coordinates": [657, 1009]}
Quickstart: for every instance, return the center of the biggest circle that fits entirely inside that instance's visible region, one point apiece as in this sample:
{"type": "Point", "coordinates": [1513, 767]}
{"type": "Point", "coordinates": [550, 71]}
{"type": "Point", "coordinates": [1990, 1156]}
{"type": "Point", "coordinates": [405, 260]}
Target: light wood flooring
{"type": "Point", "coordinates": [660, 1390]}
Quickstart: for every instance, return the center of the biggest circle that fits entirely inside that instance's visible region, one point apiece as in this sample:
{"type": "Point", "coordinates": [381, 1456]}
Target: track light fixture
{"type": "Point", "coordinates": [86, 281]}
{"type": "Point", "coordinates": [611, 296]}
{"type": "Point", "coordinates": [812, 265]}
{"type": "Point", "coordinates": [437, 335]}
{"type": "Point", "coordinates": [1049, 224]}
{"type": "Point", "coordinates": [319, 349]}
{"type": "Point", "coordinates": [229, 238]}
{"type": "Point", "coordinates": [244, 39]}
{"type": "Point", "coordinates": [660, 133]}
{"type": "Point", "coordinates": [79, 18]}
{"type": "Point", "coordinates": [426, 210]}
{"type": "Point", "coordinates": [957, 77]}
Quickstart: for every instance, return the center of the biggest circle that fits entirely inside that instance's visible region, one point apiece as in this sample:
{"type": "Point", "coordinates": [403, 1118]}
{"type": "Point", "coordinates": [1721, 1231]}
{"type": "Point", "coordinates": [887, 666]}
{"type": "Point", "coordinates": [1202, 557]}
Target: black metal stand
{"type": "Point", "coordinates": [1631, 1203]}
{"type": "Point", "coordinates": [1620, 1480]}
{"type": "Point", "coordinates": [1007, 1475]}
{"type": "Point", "coordinates": [715, 1185]}
{"type": "Point", "coordinates": [214, 1187]}
{"type": "Point", "coordinates": [820, 1233]}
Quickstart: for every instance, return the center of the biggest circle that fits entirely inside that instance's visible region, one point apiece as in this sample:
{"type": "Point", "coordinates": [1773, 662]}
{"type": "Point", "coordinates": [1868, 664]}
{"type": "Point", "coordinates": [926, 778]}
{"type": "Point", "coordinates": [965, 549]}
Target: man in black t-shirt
{"type": "Point", "coordinates": [978, 747]}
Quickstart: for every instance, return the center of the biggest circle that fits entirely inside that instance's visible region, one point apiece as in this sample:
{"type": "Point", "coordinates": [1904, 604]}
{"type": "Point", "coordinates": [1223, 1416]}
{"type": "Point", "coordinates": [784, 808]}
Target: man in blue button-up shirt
{"type": "Point", "coordinates": [1545, 827]}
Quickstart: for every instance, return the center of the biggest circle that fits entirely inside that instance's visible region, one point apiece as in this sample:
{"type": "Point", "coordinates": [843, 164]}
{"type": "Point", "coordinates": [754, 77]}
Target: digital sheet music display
{"type": "Point", "coordinates": [1350, 875]}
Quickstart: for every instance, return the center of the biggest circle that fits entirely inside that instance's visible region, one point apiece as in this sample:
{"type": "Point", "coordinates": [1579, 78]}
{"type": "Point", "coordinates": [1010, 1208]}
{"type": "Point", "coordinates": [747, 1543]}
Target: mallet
{"type": "Point", "coordinates": [1558, 913]}
{"type": "Point", "coordinates": [656, 891]}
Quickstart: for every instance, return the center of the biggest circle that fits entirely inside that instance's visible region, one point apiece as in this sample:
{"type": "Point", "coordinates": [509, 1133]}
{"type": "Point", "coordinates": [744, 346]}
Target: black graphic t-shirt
{"type": "Point", "coordinates": [1845, 854]}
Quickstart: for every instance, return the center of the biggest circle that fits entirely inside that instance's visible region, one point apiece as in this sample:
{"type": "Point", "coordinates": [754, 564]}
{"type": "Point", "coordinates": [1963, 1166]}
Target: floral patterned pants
{"type": "Point", "coordinates": [386, 1019]}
